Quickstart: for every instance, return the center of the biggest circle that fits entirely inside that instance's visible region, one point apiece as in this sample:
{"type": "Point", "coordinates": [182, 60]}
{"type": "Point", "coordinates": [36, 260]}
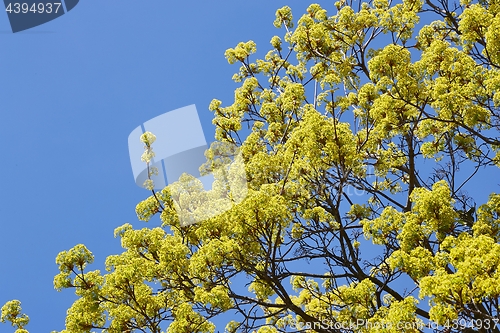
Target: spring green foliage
{"type": "Point", "coordinates": [11, 312]}
{"type": "Point", "coordinates": [361, 130]}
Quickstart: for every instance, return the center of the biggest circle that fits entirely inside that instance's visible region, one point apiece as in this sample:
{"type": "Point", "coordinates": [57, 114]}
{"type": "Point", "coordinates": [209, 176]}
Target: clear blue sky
{"type": "Point", "coordinates": [71, 91]}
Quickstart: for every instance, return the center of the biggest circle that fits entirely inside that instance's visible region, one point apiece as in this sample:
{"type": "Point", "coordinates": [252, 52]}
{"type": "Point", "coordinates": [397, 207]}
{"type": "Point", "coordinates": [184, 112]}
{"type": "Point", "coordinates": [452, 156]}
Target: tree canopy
{"type": "Point", "coordinates": [362, 132]}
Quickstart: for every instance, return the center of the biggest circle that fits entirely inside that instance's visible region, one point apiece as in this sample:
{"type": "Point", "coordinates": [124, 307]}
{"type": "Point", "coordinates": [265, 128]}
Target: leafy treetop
{"type": "Point", "coordinates": [361, 132]}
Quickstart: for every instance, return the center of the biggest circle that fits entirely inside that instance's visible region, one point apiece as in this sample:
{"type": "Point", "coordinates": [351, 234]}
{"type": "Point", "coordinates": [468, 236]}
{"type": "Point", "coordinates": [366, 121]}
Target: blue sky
{"type": "Point", "coordinates": [71, 91]}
